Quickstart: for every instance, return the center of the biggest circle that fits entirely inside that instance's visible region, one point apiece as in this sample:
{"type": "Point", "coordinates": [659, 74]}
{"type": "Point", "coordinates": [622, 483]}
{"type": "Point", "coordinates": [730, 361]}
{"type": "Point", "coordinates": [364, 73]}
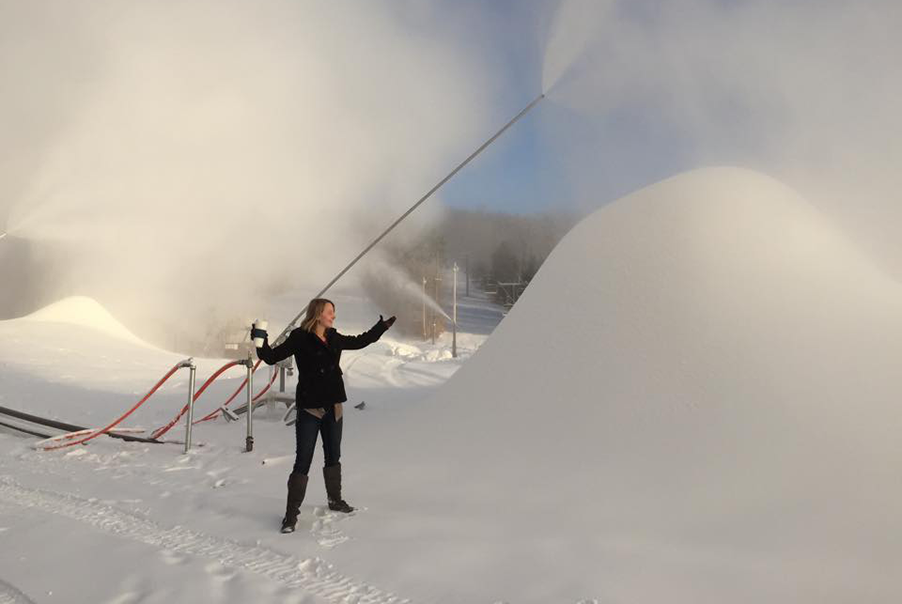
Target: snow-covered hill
{"type": "Point", "coordinates": [696, 400]}
{"type": "Point", "coordinates": [87, 312]}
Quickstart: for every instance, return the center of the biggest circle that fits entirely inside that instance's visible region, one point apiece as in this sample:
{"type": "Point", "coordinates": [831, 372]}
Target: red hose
{"type": "Point", "coordinates": [127, 413]}
{"type": "Point", "coordinates": [164, 429]}
{"type": "Point", "coordinates": [272, 380]}
{"type": "Point", "coordinates": [216, 412]}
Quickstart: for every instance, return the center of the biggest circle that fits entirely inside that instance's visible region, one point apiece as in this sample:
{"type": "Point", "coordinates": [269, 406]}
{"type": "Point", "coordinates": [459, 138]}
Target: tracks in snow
{"type": "Point", "coordinates": [312, 575]}
{"type": "Point", "coordinates": [11, 595]}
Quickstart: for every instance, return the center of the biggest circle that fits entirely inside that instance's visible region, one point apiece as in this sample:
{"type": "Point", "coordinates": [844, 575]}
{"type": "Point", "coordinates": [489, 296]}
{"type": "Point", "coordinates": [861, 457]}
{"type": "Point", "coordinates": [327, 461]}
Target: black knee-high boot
{"type": "Point", "coordinates": [332, 477]}
{"type": "Point", "coordinates": [297, 488]}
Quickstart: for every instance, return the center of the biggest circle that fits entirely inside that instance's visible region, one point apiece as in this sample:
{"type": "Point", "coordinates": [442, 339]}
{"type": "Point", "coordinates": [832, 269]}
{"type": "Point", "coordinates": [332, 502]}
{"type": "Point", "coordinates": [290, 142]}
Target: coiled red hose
{"type": "Point", "coordinates": [164, 429]}
{"type": "Point", "coordinates": [125, 415]}
{"type": "Point", "coordinates": [216, 412]}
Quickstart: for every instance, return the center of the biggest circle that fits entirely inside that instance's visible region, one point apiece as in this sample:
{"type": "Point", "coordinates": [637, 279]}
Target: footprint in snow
{"type": "Point", "coordinates": [325, 527]}
{"type": "Point", "coordinates": [181, 468]}
{"type": "Point", "coordinates": [171, 558]}
{"type": "Point", "coordinates": [129, 597]}
{"type": "Point", "coordinates": [219, 572]}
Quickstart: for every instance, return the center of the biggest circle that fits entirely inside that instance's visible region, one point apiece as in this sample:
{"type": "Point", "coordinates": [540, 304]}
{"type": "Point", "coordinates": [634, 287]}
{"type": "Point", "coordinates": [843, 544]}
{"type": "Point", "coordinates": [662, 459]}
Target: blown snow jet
{"type": "Point", "coordinates": [428, 194]}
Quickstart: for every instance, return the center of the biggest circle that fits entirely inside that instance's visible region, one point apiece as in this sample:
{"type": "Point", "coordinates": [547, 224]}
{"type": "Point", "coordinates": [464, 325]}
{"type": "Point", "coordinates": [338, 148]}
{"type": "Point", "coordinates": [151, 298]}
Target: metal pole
{"type": "Point", "coordinates": [437, 299]}
{"type": "Point", "coordinates": [526, 109]}
{"type": "Point", "coordinates": [192, 374]}
{"type": "Point", "coordinates": [250, 404]}
{"type": "Point", "coordinates": [454, 320]}
{"type": "Point", "coordinates": [424, 308]}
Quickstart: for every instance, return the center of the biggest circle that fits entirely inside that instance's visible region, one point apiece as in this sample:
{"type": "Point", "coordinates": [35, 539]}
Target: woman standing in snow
{"type": "Point", "coordinates": [317, 347]}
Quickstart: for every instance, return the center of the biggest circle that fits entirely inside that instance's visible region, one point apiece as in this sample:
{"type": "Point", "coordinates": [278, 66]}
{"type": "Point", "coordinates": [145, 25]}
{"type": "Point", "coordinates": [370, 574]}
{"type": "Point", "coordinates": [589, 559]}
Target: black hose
{"type": "Point", "coordinates": [68, 427]}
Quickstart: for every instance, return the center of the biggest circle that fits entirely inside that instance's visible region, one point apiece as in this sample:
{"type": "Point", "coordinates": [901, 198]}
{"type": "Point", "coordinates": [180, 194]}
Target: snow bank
{"type": "Point", "coordinates": [76, 344]}
{"type": "Point", "coordinates": [86, 312]}
{"type": "Point", "coordinates": [696, 400]}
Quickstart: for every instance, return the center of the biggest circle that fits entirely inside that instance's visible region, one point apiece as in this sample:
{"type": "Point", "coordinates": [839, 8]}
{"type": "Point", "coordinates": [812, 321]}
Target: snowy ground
{"type": "Point", "coordinates": [695, 401]}
{"type": "Point", "coordinates": [129, 522]}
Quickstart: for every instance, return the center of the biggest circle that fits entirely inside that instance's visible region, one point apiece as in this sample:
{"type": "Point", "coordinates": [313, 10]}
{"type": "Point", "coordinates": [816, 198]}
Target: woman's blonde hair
{"type": "Point", "coordinates": [314, 311]}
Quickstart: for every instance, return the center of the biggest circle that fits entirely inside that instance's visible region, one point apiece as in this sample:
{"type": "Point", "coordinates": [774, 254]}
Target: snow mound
{"type": "Point", "coordinates": [85, 312]}
{"type": "Point", "coordinates": [696, 400]}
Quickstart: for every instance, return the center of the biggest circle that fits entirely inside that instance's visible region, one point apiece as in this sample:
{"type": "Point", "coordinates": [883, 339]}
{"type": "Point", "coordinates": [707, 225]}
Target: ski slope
{"type": "Point", "coordinates": [694, 401]}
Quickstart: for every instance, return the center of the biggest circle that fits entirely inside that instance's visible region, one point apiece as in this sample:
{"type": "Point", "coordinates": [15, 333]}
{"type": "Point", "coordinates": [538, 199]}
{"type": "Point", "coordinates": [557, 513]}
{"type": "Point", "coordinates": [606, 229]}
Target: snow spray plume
{"type": "Point", "coordinates": [390, 287]}
{"type": "Point", "coordinates": [412, 208]}
{"type": "Point", "coordinates": [806, 91]}
{"type": "Point", "coordinates": [183, 157]}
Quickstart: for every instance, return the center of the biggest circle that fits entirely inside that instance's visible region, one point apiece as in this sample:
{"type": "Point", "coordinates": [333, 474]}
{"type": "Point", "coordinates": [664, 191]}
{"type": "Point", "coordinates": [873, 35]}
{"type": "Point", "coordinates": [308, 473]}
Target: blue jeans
{"type": "Point", "coordinates": [306, 428]}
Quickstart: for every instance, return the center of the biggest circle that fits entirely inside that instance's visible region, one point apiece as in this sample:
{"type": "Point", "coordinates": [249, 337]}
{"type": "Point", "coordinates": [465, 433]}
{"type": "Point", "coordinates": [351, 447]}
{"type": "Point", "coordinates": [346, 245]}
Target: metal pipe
{"type": "Point", "coordinates": [249, 442]}
{"type": "Point", "coordinates": [412, 208]}
{"type": "Point", "coordinates": [454, 320]}
{"type": "Point", "coordinates": [192, 375]}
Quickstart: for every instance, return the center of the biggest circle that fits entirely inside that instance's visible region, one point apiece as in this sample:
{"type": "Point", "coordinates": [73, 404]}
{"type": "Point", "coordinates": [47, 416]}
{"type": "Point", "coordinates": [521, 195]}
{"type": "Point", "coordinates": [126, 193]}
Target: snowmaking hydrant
{"type": "Point", "coordinates": [249, 441]}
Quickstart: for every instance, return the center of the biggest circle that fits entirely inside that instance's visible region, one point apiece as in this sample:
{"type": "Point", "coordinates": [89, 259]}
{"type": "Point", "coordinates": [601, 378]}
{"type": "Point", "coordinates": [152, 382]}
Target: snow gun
{"type": "Point", "coordinates": [428, 194]}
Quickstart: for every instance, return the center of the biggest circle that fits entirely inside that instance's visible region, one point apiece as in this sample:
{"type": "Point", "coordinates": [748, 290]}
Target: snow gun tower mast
{"type": "Point", "coordinates": [428, 194]}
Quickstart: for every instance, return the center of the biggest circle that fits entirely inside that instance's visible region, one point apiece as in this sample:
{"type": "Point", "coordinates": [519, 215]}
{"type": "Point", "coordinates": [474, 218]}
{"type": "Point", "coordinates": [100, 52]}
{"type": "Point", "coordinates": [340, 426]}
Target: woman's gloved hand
{"type": "Point", "coordinates": [258, 333]}
{"type": "Point", "coordinates": [387, 323]}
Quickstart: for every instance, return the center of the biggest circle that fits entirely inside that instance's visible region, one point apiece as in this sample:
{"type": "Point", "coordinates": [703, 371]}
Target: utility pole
{"type": "Point", "coordinates": [454, 321]}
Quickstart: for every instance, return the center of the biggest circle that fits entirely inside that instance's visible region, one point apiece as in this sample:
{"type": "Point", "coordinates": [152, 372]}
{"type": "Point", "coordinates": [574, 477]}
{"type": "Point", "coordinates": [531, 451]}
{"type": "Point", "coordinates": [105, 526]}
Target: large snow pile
{"type": "Point", "coordinates": [75, 348]}
{"type": "Point", "coordinates": [696, 400]}
{"type": "Point", "coordinates": [86, 312]}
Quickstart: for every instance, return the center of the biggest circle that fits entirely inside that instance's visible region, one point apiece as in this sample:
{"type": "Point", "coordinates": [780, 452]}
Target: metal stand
{"type": "Point", "coordinates": [454, 320]}
{"type": "Point", "coordinates": [192, 375]}
{"type": "Point", "coordinates": [424, 308]}
{"type": "Point", "coordinates": [249, 443]}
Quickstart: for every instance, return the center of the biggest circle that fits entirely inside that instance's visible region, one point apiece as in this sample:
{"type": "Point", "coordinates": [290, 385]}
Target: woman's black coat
{"type": "Point", "coordinates": [319, 375]}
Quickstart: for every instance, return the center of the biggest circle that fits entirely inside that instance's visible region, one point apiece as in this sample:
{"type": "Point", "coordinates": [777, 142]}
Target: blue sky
{"type": "Point", "coordinates": [516, 174]}
{"type": "Point", "coordinates": [536, 165]}
{"type": "Point", "coordinates": [556, 158]}
{"type": "Point", "coordinates": [532, 168]}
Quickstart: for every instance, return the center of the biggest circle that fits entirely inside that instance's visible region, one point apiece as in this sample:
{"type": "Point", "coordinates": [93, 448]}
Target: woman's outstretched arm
{"type": "Point", "coordinates": [271, 356]}
{"type": "Point", "coordinates": [366, 338]}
